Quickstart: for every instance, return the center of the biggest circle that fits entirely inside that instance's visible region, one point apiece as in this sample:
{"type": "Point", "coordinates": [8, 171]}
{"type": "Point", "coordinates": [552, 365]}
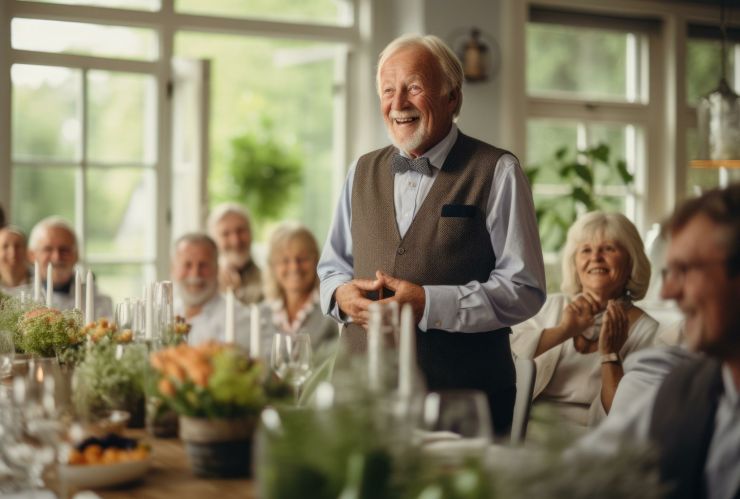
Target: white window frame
{"type": "Point", "coordinates": [166, 22]}
{"type": "Point", "coordinates": [665, 129]}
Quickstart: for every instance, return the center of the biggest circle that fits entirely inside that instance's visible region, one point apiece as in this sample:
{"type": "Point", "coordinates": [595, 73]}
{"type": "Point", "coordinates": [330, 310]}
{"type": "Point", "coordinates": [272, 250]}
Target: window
{"type": "Point", "coordinates": [93, 134]}
{"type": "Point", "coordinates": [587, 83]}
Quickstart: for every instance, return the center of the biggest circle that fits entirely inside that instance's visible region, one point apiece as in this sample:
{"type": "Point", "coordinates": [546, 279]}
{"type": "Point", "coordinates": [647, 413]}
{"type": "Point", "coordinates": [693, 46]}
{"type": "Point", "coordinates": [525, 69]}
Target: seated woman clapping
{"type": "Point", "coordinates": [579, 338]}
{"type": "Point", "coordinates": [291, 286]}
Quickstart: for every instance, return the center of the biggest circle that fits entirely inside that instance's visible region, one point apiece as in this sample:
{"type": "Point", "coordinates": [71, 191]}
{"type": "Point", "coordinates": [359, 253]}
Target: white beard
{"type": "Point", "coordinates": [235, 259]}
{"type": "Point", "coordinates": [194, 299]}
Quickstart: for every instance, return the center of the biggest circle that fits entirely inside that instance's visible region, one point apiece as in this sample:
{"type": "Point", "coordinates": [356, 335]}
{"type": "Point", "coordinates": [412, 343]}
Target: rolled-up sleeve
{"type": "Point", "coordinates": [515, 289]}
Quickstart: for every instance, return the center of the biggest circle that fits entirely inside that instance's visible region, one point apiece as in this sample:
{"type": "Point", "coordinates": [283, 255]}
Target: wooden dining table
{"type": "Point", "coordinates": [170, 477]}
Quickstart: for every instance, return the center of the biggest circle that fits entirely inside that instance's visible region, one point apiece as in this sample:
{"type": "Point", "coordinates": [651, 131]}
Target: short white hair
{"type": "Point", "coordinates": [198, 239]}
{"type": "Point", "coordinates": [223, 209]}
{"type": "Point", "coordinates": [449, 64]}
{"type": "Point", "coordinates": [52, 222]}
{"type": "Point", "coordinates": [618, 228]}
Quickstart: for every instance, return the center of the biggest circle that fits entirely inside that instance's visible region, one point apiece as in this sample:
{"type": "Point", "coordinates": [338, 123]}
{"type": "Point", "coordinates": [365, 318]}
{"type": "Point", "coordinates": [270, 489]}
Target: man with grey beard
{"type": "Point", "coordinates": [230, 228]}
{"type": "Point", "coordinates": [441, 221]}
{"type": "Point", "coordinates": [195, 277]}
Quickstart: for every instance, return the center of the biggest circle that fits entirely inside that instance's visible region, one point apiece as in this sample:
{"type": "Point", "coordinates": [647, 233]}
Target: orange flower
{"type": "Point", "coordinates": [166, 388]}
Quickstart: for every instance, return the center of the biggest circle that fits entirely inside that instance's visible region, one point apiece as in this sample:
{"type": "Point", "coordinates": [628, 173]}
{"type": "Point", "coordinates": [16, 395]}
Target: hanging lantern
{"type": "Point", "coordinates": [719, 120]}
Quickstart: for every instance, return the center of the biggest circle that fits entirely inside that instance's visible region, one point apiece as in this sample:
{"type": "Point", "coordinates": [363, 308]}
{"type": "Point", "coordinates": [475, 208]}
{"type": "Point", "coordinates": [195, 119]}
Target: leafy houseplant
{"type": "Point", "coordinates": [264, 174]}
{"type": "Point", "coordinates": [581, 172]}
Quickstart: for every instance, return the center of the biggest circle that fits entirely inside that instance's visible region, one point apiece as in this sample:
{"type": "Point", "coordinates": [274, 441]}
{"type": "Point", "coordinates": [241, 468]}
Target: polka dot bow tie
{"type": "Point", "coordinates": [402, 165]}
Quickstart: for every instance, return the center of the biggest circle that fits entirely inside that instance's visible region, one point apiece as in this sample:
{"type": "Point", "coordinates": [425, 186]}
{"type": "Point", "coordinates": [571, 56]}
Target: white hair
{"type": "Point", "coordinates": [52, 222]}
{"type": "Point", "coordinates": [618, 228]}
{"type": "Point", "coordinates": [449, 64]}
{"type": "Point", "coordinates": [223, 209]}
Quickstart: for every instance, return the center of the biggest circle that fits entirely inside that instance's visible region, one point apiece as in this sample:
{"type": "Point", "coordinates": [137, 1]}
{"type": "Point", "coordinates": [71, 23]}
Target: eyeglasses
{"type": "Point", "coordinates": [676, 272]}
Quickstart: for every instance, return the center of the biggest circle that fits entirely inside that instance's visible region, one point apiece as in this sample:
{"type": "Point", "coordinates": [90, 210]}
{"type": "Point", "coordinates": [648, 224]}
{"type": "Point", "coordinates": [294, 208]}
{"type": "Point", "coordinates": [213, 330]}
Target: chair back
{"type": "Point", "coordinates": [525, 374]}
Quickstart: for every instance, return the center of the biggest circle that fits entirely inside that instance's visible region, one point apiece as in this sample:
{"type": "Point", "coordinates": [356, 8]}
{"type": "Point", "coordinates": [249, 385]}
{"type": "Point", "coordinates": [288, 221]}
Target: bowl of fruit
{"type": "Point", "coordinates": [105, 462]}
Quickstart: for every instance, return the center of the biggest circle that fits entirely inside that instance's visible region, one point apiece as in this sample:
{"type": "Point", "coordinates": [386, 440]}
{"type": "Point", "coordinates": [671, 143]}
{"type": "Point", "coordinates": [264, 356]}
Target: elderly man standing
{"type": "Point", "coordinates": [692, 415]}
{"type": "Point", "coordinates": [441, 221]}
{"type": "Point", "coordinates": [54, 241]}
{"type": "Point", "coordinates": [230, 227]}
{"type": "Point", "coordinates": [195, 277]}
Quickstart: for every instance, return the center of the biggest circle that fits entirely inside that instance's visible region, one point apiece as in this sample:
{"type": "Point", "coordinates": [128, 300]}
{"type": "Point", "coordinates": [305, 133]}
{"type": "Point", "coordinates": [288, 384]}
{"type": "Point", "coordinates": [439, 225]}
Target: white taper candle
{"type": "Point", "coordinates": [78, 290]}
{"type": "Point", "coordinates": [36, 282]}
{"type": "Point", "coordinates": [406, 352]}
{"type": "Point", "coordinates": [49, 284]}
{"type": "Point", "coordinates": [148, 311]}
{"type": "Point", "coordinates": [89, 303]}
{"type": "Point", "coordinates": [254, 331]}
{"type": "Point", "coordinates": [374, 338]}
{"type": "Point", "coordinates": [229, 323]}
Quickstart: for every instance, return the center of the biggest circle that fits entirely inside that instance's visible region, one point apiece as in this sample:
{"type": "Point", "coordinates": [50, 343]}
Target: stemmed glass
{"type": "Point", "coordinates": [7, 353]}
{"type": "Point", "coordinates": [33, 434]}
{"type": "Point", "coordinates": [457, 427]}
{"type": "Point", "coordinates": [291, 359]}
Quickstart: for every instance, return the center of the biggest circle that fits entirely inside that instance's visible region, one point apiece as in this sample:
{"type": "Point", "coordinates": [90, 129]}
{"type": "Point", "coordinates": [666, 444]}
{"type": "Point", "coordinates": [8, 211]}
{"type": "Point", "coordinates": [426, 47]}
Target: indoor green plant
{"type": "Point", "coordinates": [582, 172]}
{"type": "Point", "coordinates": [112, 376]}
{"type": "Point", "coordinates": [218, 391]}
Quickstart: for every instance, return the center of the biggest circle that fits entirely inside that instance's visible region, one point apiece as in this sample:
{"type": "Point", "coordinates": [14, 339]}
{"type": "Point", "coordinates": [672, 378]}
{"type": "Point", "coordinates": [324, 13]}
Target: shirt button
{"type": "Point", "coordinates": [401, 251]}
{"type": "Point", "coordinates": [413, 184]}
{"type": "Point", "coordinates": [437, 323]}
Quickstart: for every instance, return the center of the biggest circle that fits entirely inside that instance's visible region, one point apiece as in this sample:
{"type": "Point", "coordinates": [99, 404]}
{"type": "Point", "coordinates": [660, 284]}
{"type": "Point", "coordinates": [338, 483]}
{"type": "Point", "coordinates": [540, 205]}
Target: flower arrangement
{"type": "Point", "coordinates": [103, 328]}
{"type": "Point", "coordinates": [11, 311]}
{"type": "Point", "coordinates": [47, 331]}
{"type": "Point", "coordinates": [213, 380]}
{"type": "Point", "coordinates": [177, 333]}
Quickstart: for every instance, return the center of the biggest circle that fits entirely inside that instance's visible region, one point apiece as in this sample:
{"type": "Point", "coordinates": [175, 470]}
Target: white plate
{"type": "Point", "coordinates": [104, 475]}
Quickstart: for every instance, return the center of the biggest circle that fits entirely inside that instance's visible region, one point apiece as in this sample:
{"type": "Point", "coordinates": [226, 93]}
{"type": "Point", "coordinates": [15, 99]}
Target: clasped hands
{"type": "Point", "coordinates": [579, 315]}
{"type": "Point", "coordinates": [351, 297]}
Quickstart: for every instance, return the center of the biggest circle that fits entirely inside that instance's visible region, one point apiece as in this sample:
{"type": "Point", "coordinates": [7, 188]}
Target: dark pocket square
{"type": "Point", "coordinates": [459, 210]}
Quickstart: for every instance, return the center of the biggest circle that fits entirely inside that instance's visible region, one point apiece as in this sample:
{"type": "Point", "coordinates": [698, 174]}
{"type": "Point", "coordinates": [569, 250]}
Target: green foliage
{"type": "Point", "coordinates": [581, 173]}
{"type": "Point", "coordinates": [214, 381]}
{"type": "Point", "coordinates": [264, 174]}
{"type": "Point", "coordinates": [47, 332]}
{"type": "Point", "coordinates": [111, 376]}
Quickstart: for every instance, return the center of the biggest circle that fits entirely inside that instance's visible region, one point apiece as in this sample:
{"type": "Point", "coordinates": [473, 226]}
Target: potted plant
{"type": "Point", "coordinates": [218, 391]}
{"type": "Point", "coordinates": [112, 375]}
{"type": "Point", "coordinates": [48, 332]}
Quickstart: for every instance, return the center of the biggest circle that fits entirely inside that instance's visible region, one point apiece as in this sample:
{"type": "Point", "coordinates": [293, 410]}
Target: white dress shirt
{"type": "Point", "coordinates": [515, 289]}
{"type": "Point", "coordinates": [210, 323]}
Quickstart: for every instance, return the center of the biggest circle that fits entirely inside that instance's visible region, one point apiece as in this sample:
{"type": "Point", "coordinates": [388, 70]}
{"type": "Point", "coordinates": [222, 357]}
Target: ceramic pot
{"type": "Point", "coordinates": [218, 447]}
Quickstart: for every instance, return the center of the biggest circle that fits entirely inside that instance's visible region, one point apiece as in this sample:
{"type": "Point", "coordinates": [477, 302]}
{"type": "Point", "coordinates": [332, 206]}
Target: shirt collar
{"type": "Point", "coordinates": [438, 154]}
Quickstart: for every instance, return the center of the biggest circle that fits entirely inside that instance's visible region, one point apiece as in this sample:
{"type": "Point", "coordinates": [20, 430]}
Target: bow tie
{"type": "Point", "coordinates": [402, 164]}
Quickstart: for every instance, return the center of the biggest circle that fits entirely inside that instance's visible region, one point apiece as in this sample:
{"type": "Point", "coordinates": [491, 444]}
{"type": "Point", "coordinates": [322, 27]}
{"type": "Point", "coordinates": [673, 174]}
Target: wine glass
{"type": "Point", "coordinates": [7, 353]}
{"type": "Point", "coordinates": [124, 314]}
{"type": "Point", "coordinates": [290, 359]}
{"type": "Point", "coordinates": [457, 427]}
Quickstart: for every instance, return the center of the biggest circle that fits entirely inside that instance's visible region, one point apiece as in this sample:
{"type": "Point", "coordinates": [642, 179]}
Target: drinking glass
{"type": "Point", "coordinates": [457, 427]}
{"type": "Point", "coordinates": [7, 353]}
{"type": "Point", "coordinates": [164, 308]}
{"type": "Point", "coordinates": [291, 359]}
{"type": "Point", "coordinates": [124, 314]}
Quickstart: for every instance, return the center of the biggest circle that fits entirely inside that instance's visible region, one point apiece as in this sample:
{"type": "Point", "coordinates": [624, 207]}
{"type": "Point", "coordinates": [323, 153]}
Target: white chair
{"type": "Point", "coordinates": [525, 374]}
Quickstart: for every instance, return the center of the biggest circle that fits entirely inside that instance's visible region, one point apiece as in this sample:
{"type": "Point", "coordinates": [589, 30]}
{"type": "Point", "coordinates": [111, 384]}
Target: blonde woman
{"type": "Point", "coordinates": [292, 286]}
{"type": "Point", "coordinates": [580, 338]}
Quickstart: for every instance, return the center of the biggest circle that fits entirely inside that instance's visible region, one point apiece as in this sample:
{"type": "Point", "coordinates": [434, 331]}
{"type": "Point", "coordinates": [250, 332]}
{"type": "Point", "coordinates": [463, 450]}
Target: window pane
{"type": "Point", "coordinates": [121, 117]}
{"type": "Point", "coordinates": [615, 137]}
{"type": "Point", "coordinates": [151, 5]}
{"type": "Point", "coordinates": [84, 39]}
{"type": "Point", "coordinates": [338, 12]}
{"type": "Point", "coordinates": [39, 192]}
{"type": "Point", "coordinates": [280, 94]}
{"type": "Point", "coordinates": [120, 281]}
{"type": "Point", "coordinates": [544, 139]}
{"type": "Point", "coordinates": [46, 110]}
{"type": "Point", "coordinates": [704, 69]}
{"type": "Point", "coordinates": [120, 211]}
{"type": "Point", "coordinates": [578, 61]}
{"type": "Point", "coordinates": [698, 179]}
